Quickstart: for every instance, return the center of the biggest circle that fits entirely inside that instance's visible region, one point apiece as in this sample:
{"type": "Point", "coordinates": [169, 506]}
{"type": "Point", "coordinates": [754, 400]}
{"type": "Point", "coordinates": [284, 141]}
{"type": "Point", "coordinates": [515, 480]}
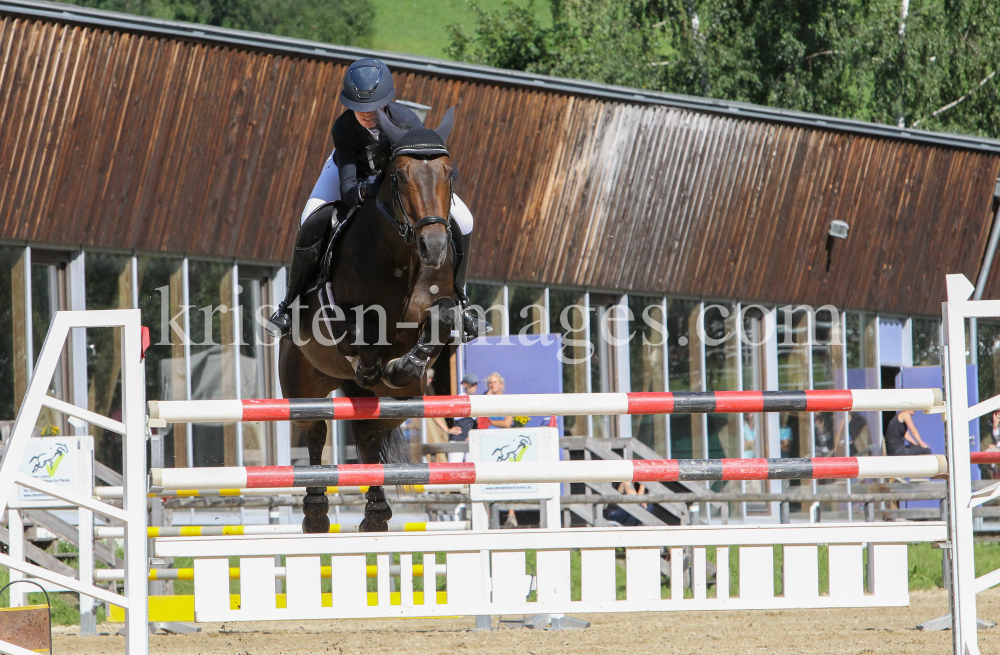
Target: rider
{"type": "Point", "coordinates": [352, 174]}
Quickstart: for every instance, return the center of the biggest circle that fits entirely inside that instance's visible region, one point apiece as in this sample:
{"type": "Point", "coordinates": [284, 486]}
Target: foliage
{"type": "Point", "coordinates": [346, 22]}
{"type": "Point", "coordinates": [935, 69]}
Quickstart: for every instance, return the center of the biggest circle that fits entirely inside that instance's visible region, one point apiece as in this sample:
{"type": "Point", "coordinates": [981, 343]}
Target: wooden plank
{"type": "Point", "coordinates": [211, 585]}
{"type": "Point", "coordinates": [597, 574]}
{"type": "Point", "coordinates": [35, 554]}
{"type": "Point", "coordinates": [406, 579]}
{"type": "Point", "coordinates": [510, 582]}
{"type": "Point", "coordinates": [349, 577]}
{"type": "Point", "coordinates": [891, 573]}
{"type": "Point", "coordinates": [801, 571]}
{"type": "Point", "coordinates": [257, 585]}
{"type": "Point", "coordinates": [552, 572]}
{"type": "Point", "coordinates": [642, 574]}
{"type": "Point", "coordinates": [757, 572]}
{"type": "Point", "coordinates": [722, 572]}
{"type": "Point", "coordinates": [303, 584]}
{"type": "Point", "coordinates": [846, 571]}
{"type": "Point", "coordinates": [464, 579]}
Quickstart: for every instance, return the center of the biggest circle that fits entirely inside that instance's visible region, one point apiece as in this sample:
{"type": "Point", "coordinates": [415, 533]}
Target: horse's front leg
{"type": "Point", "coordinates": [366, 341]}
{"type": "Point", "coordinates": [434, 334]}
{"type": "Point", "coordinates": [315, 505]}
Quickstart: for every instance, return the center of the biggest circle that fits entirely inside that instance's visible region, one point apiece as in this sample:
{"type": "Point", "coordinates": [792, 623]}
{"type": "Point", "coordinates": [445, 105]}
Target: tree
{"type": "Point", "coordinates": [915, 63]}
{"type": "Point", "coordinates": [345, 22]}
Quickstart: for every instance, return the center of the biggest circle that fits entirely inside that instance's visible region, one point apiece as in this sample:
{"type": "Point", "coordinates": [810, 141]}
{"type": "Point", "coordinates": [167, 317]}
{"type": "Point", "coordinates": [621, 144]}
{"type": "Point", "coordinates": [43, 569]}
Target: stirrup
{"type": "Point", "coordinates": [279, 325]}
{"type": "Point", "coordinates": [473, 327]}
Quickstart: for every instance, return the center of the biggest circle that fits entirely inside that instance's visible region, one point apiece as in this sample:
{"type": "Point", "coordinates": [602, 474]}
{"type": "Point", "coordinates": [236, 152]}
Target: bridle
{"type": "Point", "coordinates": [407, 228]}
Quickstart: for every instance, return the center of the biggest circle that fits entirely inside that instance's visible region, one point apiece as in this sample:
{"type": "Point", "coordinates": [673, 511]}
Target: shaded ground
{"type": "Point", "coordinates": [805, 631]}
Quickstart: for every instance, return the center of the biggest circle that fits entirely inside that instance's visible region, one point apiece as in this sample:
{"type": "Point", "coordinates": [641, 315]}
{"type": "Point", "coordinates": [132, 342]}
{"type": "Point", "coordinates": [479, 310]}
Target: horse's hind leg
{"type": "Point", "coordinates": [315, 504]}
{"type": "Point", "coordinates": [300, 380]}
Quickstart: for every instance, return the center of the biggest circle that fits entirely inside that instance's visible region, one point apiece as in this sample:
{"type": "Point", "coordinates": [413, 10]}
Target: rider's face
{"type": "Point", "coordinates": [368, 119]}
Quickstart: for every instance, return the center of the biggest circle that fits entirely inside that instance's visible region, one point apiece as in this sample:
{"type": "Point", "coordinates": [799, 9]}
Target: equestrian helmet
{"type": "Point", "coordinates": [367, 86]}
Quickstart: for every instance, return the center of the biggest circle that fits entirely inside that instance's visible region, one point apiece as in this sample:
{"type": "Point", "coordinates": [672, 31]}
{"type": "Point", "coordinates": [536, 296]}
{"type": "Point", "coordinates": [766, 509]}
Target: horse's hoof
{"type": "Point", "coordinates": [315, 518]}
{"type": "Point", "coordinates": [368, 377]}
{"type": "Point", "coordinates": [372, 525]}
{"type": "Point", "coordinates": [401, 372]}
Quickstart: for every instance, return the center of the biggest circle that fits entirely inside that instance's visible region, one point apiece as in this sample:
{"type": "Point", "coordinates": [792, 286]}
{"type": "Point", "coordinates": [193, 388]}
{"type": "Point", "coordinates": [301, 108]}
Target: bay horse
{"type": "Point", "coordinates": [394, 307]}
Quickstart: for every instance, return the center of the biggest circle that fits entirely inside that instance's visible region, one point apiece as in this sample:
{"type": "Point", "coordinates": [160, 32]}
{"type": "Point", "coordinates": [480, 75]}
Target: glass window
{"type": "Point", "coordinates": [568, 318]}
{"type": "Point", "coordinates": [255, 371]}
{"type": "Point", "coordinates": [646, 366]}
{"type": "Point", "coordinates": [926, 341]}
{"type": "Point", "coordinates": [754, 352]}
{"type": "Point", "coordinates": [527, 309]}
{"type": "Point", "coordinates": [161, 297]}
{"type": "Point", "coordinates": [861, 341]}
{"type": "Point", "coordinates": [12, 368]}
{"type": "Point", "coordinates": [489, 297]}
{"type": "Point", "coordinates": [48, 296]}
{"type": "Point", "coordinates": [108, 284]}
{"type": "Point", "coordinates": [212, 369]}
{"type": "Point", "coordinates": [722, 352]}
{"type": "Point", "coordinates": [828, 373]}
{"type": "Point", "coordinates": [684, 370]}
{"type": "Point", "coordinates": [989, 373]}
{"type": "Point", "coordinates": [792, 333]}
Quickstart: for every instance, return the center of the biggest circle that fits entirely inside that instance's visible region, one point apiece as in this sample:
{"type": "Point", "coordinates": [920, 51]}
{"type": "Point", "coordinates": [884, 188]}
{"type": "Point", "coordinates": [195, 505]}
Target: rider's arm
{"type": "Point", "coordinates": [912, 434]}
{"type": "Point", "coordinates": [349, 148]}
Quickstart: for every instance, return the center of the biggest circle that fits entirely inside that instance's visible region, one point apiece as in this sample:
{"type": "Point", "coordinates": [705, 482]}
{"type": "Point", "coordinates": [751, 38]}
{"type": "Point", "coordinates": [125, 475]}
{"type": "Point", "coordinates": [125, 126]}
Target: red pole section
{"type": "Point", "coordinates": [566, 404]}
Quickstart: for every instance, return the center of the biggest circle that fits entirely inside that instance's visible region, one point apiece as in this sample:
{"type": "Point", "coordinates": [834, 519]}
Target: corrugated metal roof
{"type": "Point", "coordinates": [129, 138]}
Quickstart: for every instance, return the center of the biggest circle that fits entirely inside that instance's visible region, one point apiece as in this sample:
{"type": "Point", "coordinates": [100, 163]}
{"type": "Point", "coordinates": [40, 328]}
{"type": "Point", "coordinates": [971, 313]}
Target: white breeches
{"type": "Point", "coordinates": [327, 189]}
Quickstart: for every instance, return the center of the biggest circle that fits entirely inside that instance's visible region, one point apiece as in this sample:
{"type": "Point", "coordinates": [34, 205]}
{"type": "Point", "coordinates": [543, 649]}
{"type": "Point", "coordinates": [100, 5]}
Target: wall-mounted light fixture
{"type": "Point", "coordinates": [838, 229]}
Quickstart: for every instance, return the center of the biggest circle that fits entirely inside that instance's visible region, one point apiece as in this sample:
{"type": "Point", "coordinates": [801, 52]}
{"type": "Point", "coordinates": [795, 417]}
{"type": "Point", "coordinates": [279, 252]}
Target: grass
{"type": "Point", "coordinates": [419, 27]}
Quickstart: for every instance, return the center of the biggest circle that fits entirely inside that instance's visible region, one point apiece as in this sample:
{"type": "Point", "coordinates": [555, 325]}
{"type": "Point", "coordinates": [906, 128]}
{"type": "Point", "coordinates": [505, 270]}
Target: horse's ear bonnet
{"type": "Point", "coordinates": [418, 141]}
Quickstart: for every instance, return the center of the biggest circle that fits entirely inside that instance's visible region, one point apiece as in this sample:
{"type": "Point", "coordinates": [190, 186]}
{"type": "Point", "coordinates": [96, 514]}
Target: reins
{"type": "Point", "coordinates": [408, 228]}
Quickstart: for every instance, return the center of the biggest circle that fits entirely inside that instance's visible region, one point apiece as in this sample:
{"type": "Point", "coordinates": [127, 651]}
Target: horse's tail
{"type": "Point", "coordinates": [395, 448]}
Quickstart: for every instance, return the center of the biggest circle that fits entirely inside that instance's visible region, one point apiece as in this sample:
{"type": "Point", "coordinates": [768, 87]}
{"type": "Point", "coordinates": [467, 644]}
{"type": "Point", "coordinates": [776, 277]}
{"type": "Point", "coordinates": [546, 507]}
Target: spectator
{"type": "Point", "coordinates": [902, 436]}
{"type": "Point", "coordinates": [459, 430]}
{"type": "Point", "coordinates": [991, 441]}
{"type": "Point", "coordinates": [749, 435]}
{"type": "Point", "coordinates": [494, 387]}
{"type": "Point", "coordinates": [437, 429]}
{"type": "Point", "coordinates": [618, 514]}
{"type": "Point", "coordinates": [860, 435]}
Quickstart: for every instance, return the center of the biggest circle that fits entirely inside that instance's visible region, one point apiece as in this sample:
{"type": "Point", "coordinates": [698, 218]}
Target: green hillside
{"type": "Point", "coordinates": [419, 27]}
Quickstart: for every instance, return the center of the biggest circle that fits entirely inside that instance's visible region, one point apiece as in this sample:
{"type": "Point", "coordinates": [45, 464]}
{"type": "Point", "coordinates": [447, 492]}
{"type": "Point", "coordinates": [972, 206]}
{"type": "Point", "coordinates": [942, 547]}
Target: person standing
{"type": "Point", "coordinates": [902, 436]}
{"type": "Point", "coordinates": [459, 430]}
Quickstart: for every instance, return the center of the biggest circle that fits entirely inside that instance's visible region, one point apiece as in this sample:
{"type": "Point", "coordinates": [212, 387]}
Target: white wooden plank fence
{"type": "Point", "coordinates": [501, 583]}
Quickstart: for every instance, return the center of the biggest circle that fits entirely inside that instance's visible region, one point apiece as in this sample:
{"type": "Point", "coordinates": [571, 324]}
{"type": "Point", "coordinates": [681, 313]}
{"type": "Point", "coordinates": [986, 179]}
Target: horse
{"type": "Point", "coordinates": [393, 274]}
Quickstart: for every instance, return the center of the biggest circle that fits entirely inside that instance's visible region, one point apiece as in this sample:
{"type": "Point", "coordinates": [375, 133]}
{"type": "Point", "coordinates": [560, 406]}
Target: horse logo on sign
{"type": "Point", "coordinates": [513, 452]}
{"type": "Point", "coordinates": [49, 461]}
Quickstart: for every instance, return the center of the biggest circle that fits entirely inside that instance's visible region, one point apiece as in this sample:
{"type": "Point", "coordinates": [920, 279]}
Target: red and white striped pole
{"type": "Point", "coordinates": [565, 404]}
{"type": "Point", "coordinates": [662, 470]}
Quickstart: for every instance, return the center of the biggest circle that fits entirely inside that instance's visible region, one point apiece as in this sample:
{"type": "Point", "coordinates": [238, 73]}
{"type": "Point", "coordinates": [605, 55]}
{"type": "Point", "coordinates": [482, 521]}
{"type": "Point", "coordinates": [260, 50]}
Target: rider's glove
{"type": "Point", "coordinates": [369, 187]}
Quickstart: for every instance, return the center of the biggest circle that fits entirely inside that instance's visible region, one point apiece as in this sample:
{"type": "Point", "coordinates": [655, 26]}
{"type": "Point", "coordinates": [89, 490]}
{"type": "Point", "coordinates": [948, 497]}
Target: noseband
{"type": "Point", "coordinates": [408, 227]}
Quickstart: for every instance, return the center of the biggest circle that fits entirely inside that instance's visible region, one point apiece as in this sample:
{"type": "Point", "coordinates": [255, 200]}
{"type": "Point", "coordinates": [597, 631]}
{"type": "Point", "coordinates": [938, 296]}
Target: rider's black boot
{"type": "Point", "coordinates": [472, 325]}
{"type": "Point", "coordinates": [308, 252]}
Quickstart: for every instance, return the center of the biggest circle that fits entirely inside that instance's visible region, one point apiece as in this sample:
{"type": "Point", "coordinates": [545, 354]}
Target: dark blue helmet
{"type": "Point", "coordinates": [367, 86]}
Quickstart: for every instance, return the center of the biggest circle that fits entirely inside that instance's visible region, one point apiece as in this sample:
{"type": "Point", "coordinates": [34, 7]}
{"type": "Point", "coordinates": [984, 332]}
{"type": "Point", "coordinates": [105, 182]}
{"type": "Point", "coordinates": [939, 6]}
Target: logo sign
{"type": "Point", "coordinates": [514, 445]}
{"type": "Point", "coordinates": [56, 460]}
